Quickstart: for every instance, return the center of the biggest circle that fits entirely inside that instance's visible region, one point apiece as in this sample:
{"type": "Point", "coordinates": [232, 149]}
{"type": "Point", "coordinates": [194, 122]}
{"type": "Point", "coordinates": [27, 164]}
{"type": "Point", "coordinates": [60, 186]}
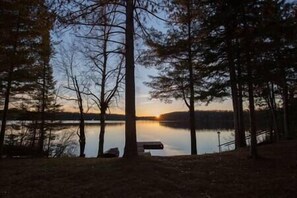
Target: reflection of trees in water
{"type": "Point", "coordinates": [21, 139]}
{"type": "Point", "coordinates": [205, 125]}
{"type": "Point", "coordinates": [65, 145]}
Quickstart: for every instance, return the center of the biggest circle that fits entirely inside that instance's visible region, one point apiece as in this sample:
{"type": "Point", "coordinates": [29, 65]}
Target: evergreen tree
{"type": "Point", "coordinates": [177, 55]}
{"type": "Point", "coordinates": [222, 53]}
{"type": "Point", "coordinates": [20, 24]}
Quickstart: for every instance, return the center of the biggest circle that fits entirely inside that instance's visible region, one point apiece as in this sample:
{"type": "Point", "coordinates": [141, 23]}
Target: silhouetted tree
{"type": "Point", "coordinates": [221, 45]}
{"type": "Point", "coordinates": [77, 83]}
{"type": "Point", "coordinates": [105, 61]}
{"type": "Point", "coordinates": [22, 29]}
{"type": "Point", "coordinates": [176, 55]}
{"type": "Point", "coordinates": [129, 13]}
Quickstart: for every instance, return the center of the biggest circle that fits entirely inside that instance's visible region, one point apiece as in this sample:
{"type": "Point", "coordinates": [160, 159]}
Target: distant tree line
{"type": "Point", "coordinates": [218, 119]}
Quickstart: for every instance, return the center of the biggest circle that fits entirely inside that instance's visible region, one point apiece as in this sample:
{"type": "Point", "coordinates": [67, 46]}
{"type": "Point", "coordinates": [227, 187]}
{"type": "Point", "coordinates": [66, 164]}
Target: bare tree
{"type": "Point", "coordinates": [76, 83]}
{"type": "Point", "coordinates": [106, 59]}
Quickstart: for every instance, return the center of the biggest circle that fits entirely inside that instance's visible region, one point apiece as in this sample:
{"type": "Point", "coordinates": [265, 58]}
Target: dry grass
{"type": "Point", "coordinates": [230, 174]}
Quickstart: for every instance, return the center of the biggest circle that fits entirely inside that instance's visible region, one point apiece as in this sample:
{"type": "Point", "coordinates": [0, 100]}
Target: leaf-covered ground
{"type": "Point", "coordinates": [231, 174]}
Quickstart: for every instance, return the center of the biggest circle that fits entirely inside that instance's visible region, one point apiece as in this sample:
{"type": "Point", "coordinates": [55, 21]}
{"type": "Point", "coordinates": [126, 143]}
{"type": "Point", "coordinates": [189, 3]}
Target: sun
{"type": "Point", "coordinates": [157, 117]}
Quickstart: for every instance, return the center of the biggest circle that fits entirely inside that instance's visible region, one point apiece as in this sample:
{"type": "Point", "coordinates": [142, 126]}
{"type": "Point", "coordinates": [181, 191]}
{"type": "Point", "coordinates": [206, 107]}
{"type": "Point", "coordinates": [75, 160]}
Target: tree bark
{"type": "Point", "coordinates": [191, 78]}
{"type": "Point", "coordinates": [102, 133]}
{"type": "Point", "coordinates": [82, 136]}
{"type": "Point", "coordinates": [234, 89]}
{"type": "Point", "coordinates": [130, 127]}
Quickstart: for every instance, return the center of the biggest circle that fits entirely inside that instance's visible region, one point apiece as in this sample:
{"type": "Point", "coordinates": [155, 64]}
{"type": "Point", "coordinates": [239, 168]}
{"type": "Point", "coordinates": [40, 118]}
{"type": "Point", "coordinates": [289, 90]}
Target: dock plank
{"type": "Point", "coordinates": [150, 145]}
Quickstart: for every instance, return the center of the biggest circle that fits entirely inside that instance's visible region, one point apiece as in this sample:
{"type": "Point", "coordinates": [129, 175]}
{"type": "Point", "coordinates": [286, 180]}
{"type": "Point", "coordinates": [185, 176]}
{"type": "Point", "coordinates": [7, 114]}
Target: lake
{"type": "Point", "coordinates": [176, 139]}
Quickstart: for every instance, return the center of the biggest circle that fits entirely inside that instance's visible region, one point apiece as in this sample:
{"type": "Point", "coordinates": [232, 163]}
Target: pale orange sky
{"type": "Point", "coordinates": [147, 107]}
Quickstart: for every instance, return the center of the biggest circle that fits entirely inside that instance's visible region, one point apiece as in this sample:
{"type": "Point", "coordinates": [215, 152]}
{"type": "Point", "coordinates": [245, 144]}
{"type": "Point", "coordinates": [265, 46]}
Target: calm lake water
{"type": "Point", "coordinates": [176, 140]}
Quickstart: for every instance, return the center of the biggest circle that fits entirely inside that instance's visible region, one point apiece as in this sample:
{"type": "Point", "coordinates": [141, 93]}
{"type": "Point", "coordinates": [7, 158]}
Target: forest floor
{"type": "Point", "coordinates": [229, 174]}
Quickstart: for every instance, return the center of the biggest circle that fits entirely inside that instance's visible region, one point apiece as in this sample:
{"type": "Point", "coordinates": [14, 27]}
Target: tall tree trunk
{"type": "Point", "coordinates": [191, 78]}
{"type": "Point", "coordinates": [193, 129]}
{"type": "Point", "coordinates": [241, 128]}
{"type": "Point", "coordinates": [234, 89]}
{"type": "Point", "coordinates": [103, 102]}
{"type": "Point", "coordinates": [42, 113]}
{"type": "Point", "coordinates": [82, 136]}
{"type": "Point", "coordinates": [7, 93]}
{"type": "Point", "coordinates": [5, 110]}
{"type": "Point", "coordinates": [253, 147]}
{"type": "Point", "coordinates": [130, 127]}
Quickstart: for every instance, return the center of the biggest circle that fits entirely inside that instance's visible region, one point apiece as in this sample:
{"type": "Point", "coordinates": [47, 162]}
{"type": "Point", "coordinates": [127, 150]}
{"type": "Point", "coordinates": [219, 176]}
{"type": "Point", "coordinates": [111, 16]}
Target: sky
{"type": "Point", "coordinates": [144, 105]}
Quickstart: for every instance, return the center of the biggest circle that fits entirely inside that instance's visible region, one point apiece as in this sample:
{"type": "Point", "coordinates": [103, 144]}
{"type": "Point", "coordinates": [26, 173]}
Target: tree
{"type": "Point", "coordinates": [129, 13]}
{"type": "Point", "coordinates": [176, 55]}
{"type": "Point", "coordinates": [22, 28]}
{"type": "Point", "coordinates": [45, 83]}
{"type": "Point", "coordinates": [75, 83]}
{"type": "Point", "coordinates": [222, 54]}
{"type": "Point", "coordinates": [105, 61]}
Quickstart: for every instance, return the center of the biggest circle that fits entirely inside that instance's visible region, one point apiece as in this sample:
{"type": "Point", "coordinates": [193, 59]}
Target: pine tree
{"type": "Point", "coordinates": [179, 49]}
{"type": "Point", "coordinates": [232, 28]}
{"type": "Point", "coordinates": [20, 25]}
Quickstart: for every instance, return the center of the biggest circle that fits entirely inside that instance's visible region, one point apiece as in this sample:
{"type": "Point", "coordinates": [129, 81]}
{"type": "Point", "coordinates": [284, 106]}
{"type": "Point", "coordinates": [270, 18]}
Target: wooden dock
{"type": "Point", "coordinates": [141, 146]}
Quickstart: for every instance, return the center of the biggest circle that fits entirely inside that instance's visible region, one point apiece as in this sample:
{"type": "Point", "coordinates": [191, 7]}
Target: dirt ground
{"type": "Point", "coordinates": [230, 174]}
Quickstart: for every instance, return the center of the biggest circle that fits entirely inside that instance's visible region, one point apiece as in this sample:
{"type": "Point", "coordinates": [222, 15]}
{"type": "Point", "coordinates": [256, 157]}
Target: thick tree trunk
{"type": "Point", "coordinates": [193, 130]}
{"type": "Point", "coordinates": [234, 89]}
{"type": "Point", "coordinates": [130, 127]}
{"type": "Point", "coordinates": [191, 79]}
{"type": "Point", "coordinates": [102, 133]}
{"type": "Point", "coordinates": [82, 136]}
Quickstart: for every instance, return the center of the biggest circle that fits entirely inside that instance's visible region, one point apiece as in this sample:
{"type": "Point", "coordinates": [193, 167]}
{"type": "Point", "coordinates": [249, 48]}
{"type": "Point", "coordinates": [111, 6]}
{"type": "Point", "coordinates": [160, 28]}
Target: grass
{"type": "Point", "coordinates": [230, 174]}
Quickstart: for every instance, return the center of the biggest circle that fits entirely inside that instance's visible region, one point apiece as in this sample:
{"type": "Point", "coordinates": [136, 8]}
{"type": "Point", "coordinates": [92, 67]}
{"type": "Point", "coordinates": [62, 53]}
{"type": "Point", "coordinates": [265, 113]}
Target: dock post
{"type": "Point", "coordinates": [219, 140]}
